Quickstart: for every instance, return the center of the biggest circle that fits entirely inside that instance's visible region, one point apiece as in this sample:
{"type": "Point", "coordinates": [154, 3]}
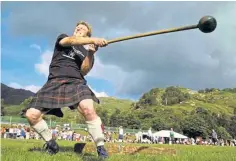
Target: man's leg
{"type": "Point", "coordinates": [36, 121]}
{"type": "Point", "coordinates": [94, 123]}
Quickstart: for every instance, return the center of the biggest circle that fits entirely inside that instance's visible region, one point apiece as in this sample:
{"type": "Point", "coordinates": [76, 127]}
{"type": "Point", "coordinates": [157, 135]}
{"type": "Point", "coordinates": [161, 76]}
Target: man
{"type": "Point", "coordinates": [172, 137]}
{"type": "Point", "coordinates": [121, 134]}
{"type": "Point", "coordinates": [150, 134]}
{"type": "Point", "coordinates": [67, 87]}
{"type": "Point", "coordinates": [140, 136]}
{"type": "Point", "coordinates": [214, 137]}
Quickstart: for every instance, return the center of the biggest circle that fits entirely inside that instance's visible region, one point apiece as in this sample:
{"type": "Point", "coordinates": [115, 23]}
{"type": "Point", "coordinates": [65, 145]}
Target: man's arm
{"type": "Point", "coordinates": [73, 41]}
{"type": "Point", "coordinates": [87, 63]}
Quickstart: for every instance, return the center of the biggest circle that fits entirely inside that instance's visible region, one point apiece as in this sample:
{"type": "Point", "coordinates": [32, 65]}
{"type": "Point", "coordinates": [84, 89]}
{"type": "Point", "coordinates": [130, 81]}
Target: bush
{"type": "Point", "coordinates": [173, 96]}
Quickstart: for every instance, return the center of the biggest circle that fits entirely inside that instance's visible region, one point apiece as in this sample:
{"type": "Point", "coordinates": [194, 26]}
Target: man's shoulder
{"type": "Point", "coordinates": [62, 35]}
{"type": "Point", "coordinates": [59, 38]}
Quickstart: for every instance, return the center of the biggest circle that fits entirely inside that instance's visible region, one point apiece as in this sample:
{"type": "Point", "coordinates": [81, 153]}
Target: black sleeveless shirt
{"type": "Point", "coordinates": [66, 61]}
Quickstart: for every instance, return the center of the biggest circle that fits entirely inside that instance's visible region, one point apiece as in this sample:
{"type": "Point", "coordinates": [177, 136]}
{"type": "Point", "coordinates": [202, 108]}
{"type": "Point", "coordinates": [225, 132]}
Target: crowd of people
{"type": "Point", "coordinates": [66, 133]}
{"type": "Point", "coordinates": [171, 139]}
{"type": "Point", "coordinates": [25, 132]}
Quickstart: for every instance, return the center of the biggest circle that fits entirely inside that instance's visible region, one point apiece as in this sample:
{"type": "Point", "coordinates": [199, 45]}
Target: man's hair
{"type": "Point", "coordinates": [87, 25]}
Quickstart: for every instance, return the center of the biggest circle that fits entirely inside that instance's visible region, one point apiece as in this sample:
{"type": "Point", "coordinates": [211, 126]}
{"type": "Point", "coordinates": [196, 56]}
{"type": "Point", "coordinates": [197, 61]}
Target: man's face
{"type": "Point", "coordinates": [81, 31]}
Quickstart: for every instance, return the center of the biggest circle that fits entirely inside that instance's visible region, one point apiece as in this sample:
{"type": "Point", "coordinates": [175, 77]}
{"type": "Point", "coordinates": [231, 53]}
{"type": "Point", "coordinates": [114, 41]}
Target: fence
{"type": "Point", "coordinates": [17, 120]}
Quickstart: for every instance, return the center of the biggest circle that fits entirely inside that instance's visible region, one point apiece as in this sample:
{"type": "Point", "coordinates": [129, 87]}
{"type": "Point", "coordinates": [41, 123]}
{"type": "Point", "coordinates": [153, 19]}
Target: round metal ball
{"type": "Point", "coordinates": [207, 24]}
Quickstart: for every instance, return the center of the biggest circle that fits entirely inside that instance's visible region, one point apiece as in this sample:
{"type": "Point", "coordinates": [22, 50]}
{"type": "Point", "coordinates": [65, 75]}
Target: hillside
{"type": "Point", "coordinates": [105, 109]}
{"type": "Point", "coordinates": [14, 96]}
{"type": "Point", "coordinates": [107, 106]}
{"type": "Point", "coordinates": [215, 101]}
{"type": "Point", "coordinates": [194, 113]}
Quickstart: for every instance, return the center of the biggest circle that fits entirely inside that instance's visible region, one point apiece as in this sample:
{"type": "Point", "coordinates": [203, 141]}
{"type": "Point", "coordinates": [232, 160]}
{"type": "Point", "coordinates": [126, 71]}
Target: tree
{"type": "Point", "coordinates": [222, 133]}
{"type": "Point", "coordinates": [26, 101]}
{"type": "Point", "coordinates": [201, 91]}
{"type": "Point", "coordinates": [233, 90]}
{"type": "Point", "coordinates": [152, 101]}
{"type": "Point", "coordinates": [201, 110]}
{"type": "Point", "coordinates": [155, 91]}
{"type": "Point", "coordinates": [2, 107]}
{"type": "Point", "coordinates": [104, 116]}
{"type": "Point", "coordinates": [146, 114]}
{"type": "Point", "coordinates": [131, 121]}
{"type": "Point", "coordinates": [232, 127]}
{"type": "Point", "coordinates": [116, 119]}
{"type": "Point", "coordinates": [223, 121]}
{"type": "Point", "coordinates": [194, 126]}
{"type": "Point", "coordinates": [159, 124]}
{"type": "Point", "coordinates": [173, 96]}
{"type": "Point", "coordinates": [234, 110]}
{"type": "Point", "coordinates": [145, 125]}
{"type": "Point", "coordinates": [207, 90]}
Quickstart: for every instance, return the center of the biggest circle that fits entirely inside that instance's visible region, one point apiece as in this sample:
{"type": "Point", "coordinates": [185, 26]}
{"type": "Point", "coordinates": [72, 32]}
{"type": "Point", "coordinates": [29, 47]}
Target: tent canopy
{"type": "Point", "coordinates": [166, 133]}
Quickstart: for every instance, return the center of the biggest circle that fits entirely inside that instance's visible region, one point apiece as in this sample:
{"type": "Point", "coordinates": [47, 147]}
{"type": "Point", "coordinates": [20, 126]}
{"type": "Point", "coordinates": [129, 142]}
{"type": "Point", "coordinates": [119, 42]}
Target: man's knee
{"type": "Point", "coordinates": [33, 115]}
{"type": "Point", "coordinates": [86, 107]}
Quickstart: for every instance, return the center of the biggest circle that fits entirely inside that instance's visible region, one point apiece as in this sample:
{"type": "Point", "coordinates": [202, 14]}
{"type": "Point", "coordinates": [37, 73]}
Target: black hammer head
{"type": "Point", "coordinates": [207, 24]}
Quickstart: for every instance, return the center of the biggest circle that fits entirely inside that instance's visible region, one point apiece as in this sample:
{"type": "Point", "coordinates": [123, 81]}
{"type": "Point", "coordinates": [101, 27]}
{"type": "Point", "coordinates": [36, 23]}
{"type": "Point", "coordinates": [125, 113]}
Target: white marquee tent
{"type": "Point", "coordinates": [166, 133]}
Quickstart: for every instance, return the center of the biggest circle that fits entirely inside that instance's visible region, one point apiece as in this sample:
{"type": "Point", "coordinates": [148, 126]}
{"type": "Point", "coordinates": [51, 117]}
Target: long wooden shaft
{"type": "Point", "coordinates": [153, 33]}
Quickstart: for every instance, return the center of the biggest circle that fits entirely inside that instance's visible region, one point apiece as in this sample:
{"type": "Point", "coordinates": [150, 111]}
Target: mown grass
{"type": "Point", "coordinates": [18, 150]}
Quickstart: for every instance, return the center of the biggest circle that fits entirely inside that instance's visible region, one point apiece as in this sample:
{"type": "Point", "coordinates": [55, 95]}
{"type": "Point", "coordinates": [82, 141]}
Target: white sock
{"type": "Point", "coordinates": [96, 131]}
{"type": "Point", "coordinates": [42, 129]}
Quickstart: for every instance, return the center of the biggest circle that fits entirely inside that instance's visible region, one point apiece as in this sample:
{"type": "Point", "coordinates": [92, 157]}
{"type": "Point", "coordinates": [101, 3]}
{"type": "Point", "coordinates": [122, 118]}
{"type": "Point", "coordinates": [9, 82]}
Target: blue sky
{"type": "Point", "coordinates": [19, 57]}
{"type": "Point", "coordinates": [127, 69]}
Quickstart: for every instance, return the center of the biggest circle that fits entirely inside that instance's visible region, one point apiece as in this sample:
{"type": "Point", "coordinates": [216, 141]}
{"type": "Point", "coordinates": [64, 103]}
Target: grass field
{"type": "Point", "coordinates": [19, 150]}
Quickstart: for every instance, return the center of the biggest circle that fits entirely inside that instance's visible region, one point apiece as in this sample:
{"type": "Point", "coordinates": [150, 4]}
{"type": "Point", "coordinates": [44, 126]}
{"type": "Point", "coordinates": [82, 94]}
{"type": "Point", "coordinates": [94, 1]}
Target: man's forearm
{"type": "Point", "coordinates": [87, 64]}
{"type": "Point", "coordinates": [73, 41]}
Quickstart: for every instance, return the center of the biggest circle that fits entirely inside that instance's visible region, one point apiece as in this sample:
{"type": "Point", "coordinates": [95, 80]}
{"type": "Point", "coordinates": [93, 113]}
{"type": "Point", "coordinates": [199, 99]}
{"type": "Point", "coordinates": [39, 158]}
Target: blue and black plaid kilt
{"type": "Point", "coordinates": [58, 93]}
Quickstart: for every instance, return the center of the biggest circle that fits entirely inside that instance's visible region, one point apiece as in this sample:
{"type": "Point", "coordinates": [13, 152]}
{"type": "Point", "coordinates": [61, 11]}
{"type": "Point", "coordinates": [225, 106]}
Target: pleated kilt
{"type": "Point", "coordinates": [58, 93]}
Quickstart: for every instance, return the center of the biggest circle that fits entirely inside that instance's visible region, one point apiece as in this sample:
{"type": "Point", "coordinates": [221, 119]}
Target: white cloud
{"type": "Point", "coordinates": [115, 75]}
{"type": "Point", "coordinates": [99, 94]}
{"type": "Point", "coordinates": [43, 66]}
{"type": "Point", "coordinates": [35, 89]}
{"type": "Point", "coordinates": [32, 88]}
{"type": "Point", "coordinates": [14, 85]}
{"type": "Point", "coordinates": [36, 47]}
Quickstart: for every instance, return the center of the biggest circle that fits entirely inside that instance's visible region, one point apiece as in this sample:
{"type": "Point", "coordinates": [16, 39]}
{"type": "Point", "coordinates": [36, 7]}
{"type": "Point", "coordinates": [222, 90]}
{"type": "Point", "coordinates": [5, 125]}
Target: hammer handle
{"type": "Point", "coordinates": [153, 33]}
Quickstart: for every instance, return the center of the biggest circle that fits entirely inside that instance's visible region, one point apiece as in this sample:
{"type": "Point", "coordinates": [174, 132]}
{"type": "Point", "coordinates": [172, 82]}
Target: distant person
{"type": "Point", "coordinates": [172, 136]}
{"type": "Point", "coordinates": [150, 134]}
{"type": "Point", "coordinates": [27, 134]}
{"type": "Point", "coordinates": [3, 131]}
{"type": "Point", "coordinates": [214, 137]}
{"type": "Point", "coordinates": [7, 133]}
{"type": "Point", "coordinates": [23, 134]}
{"type": "Point", "coordinates": [140, 136]}
{"type": "Point", "coordinates": [11, 132]}
{"type": "Point", "coordinates": [121, 134]}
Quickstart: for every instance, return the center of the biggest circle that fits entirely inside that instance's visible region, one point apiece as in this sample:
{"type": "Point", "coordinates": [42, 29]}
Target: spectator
{"type": "Point", "coordinates": [3, 131]}
{"type": "Point", "coordinates": [121, 134]}
{"type": "Point", "coordinates": [7, 133]}
{"type": "Point", "coordinates": [140, 136]}
{"type": "Point", "coordinates": [172, 137]}
{"type": "Point", "coordinates": [214, 137]}
{"type": "Point", "coordinates": [11, 132]}
{"type": "Point", "coordinates": [150, 134]}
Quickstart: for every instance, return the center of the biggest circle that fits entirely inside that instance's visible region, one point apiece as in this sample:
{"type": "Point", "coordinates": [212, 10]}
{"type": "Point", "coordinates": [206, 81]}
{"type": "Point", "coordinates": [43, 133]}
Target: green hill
{"type": "Point", "coordinates": [14, 96]}
{"type": "Point", "coordinates": [194, 113]}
